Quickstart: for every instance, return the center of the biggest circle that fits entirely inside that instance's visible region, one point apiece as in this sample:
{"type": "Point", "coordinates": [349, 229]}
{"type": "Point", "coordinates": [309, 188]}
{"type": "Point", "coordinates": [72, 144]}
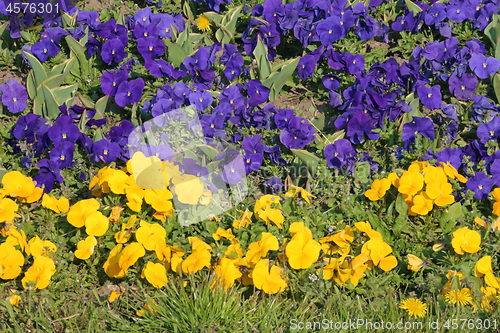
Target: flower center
{"type": "Point", "coordinates": [14, 99]}
{"type": "Point", "coordinates": [463, 87]}
{"type": "Point", "coordinates": [329, 31]}
{"type": "Point", "coordinates": [429, 95]}
{"type": "Point", "coordinates": [62, 157]}
{"type": "Point", "coordinates": [64, 136]}
{"type": "Point", "coordinates": [113, 52]}
{"type": "Point", "coordinates": [44, 50]}
{"type": "Point", "coordinates": [105, 152]}
{"type": "Point", "coordinates": [128, 94]}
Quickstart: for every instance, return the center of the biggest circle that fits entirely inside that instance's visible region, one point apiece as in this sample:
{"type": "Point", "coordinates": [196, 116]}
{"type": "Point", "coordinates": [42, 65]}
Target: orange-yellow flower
{"type": "Point", "coordinates": [225, 273]}
{"type": "Point", "coordinates": [466, 240]}
{"type": "Point", "coordinates": [8, 209]}
{"type": "Point", "coordinates": [96, 224]}
{"type": "Point", "coordinates": [124, 235]}
{"type": "Point", "coordinates": [440, 193]}
{"type": "Point", "coordinates": [149, 235]}
{"type": "Point", "coordinates": [189, 190]}
{"type": "Point", "coordinates": [378, 251]}
{"type": "Point", "coordinates": [79, 212]}
{"type": "Point", "coordinates": [246, 219]}
{"type": "Point", "coordinates": [40, 273]}
{"type": "Point", "coordinates": [196, 261]}
{"type": "Point", "coordinates": [378, 189]}
{"type": "Point", "coordinates": [85, 248]}
{"type": "Point", "coordinates": [41, 248]}
{"type": "Point", "coordinates": [111, 266]}
{"type": "Point", "coordinates": [130, 254]}
{"type": "Point", "coordinates": [268, 278]}
{"type": "Point", "coordinates": [156, 274]}
{"type": "Point", "coordinates": [257, 250]}
{"type": "Point", "coordinates": [414, 262]}
{"type": "Point", "coordinates": [302, 251]}
{"type": "Point", "coordinates": [56, 205]}
{"type": "Point", "coordinates": [11, 261]}
{"type": "Point", "coordinates": [295, 191]}
{"type": "Point", "coordinates": [483, 268]}
{"type": "Point", "coordinates": [410, 183]}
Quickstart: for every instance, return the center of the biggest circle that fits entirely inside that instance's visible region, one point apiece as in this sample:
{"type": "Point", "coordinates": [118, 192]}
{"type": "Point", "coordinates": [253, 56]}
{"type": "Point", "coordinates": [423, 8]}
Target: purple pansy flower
{"type": "Point", "coordinates": [14, 96]}
{"type": "Point", "coordinates": [463, 87]}
{"type": "Point", "coordinates": [480, 184]}
{"type": "Point", "coordinates": [113, 51]}
{"type": "Point", "coordinates": [430, 97]}
{"type": "Point", "coordinates": [483, 67]}
{"type": "Point", "coordinates": [129, 92]}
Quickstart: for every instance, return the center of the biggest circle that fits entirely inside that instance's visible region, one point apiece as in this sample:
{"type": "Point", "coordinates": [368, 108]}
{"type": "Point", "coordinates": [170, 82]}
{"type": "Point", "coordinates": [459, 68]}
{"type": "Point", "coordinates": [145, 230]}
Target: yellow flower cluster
{"type": "Point", "coordinates": [24, 190]}
{"type": "Point", "coordinates": [438, 191]}
{"type": "Point", "coordinates": [345, 268]}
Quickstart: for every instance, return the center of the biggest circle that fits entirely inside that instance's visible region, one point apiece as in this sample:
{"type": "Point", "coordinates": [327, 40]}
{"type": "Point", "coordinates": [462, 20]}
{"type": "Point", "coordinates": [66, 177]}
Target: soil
{"type": "Point", "coordinates": [7, 74]}
{"type": "Point", "coordinates": [98, 5]}
{"type": "Point", "coordinates": [296, 101]}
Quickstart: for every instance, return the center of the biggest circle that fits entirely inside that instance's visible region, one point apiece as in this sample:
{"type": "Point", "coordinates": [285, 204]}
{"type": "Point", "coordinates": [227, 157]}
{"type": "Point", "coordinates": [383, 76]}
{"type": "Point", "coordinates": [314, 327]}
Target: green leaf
{"type": "Point", "coordinates": [231, 18]}
{"type": "Point", "coordinates": [97, 135]}
{"type": "Point", "coordinates": [214, 17]}
{"type": "Point", "coordinates": [310, 160]}
{"type": "Point", "coordinates": [263, 64]}
{"type": "Point", "coordinates": [400, 224]}
{"type": "Point", "coordinates": [62, 69]}
{"type": "Point", "coordinates": [496, 86]}
{"type": "Point", "coordinates": [212, 227]}
{"type": "Point", "coordinates": [38, 106]}
{"type": "Point", "coordinates": [51, 104]}
{"type": "Point", "coordinates": [37, 68]}
{"type": "Point", "coordinates": [64, 93]}
{"type": "Point", "coordinates": [319, 122]}
{"type": "Point", "coordinates": [277, 80]}
{"type": "Point", "coordinates": [88, 103]}
{"type": "Point", "coordinates": [176, 54]}
{"type": "Point", "coordinates": [188, 12]}
{"type": "Point", "coordinates": [211, 152]}
{"type": "Point", "coordinates": [449, 218]}
{"type": "Point", "coordinates": [492, 30]}
{"type": "Point", "coordinates": [401, 206]}
{"type": "Point", "coordinates": [81, 53]}
{"type": "Point", "coordinates": [100, 107]}
{"type": "Point", "coordinates": [30, 84]}
{"type": "Point", "coordinates": [413, 7]}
